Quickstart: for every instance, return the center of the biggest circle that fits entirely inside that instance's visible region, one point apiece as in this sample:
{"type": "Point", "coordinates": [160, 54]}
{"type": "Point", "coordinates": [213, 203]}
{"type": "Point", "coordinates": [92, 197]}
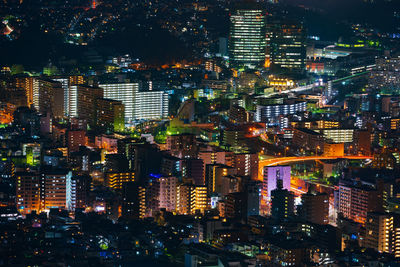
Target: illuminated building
{"type": "Point", "coordinates": [382, 232]}
{"type": "Point", "coordinates": [110, 114]}
{"type": "Point", "coordinates": [47, 96]}
{"type": "Point", "coordinates": [55, 190]}
{"type": "Point", "coordinates": [247, 37]}
{"type": "Point", "coordinates": [214, 174]}
{"type": "Point", "coordinates": [32, 152]}
{"type": "Point", "coordinates": [182, 145]}
{"type": "Point", "coordinates": [139, 105]}
{"type": "Point", "coordinates": [86, 101]}
{"type": "Point", "coordinates": [282, 202]}
{"type": "Point", "coordinates": [334, 150]}
{"type": "Point", "coordinates": [238, 114]}
{"type": "Point", "coordinates": [69, 85]}
{"type": "Point", "coordinates": [79, 188]}
{"type": "Point", "coordinates": [133, 200]}
{"type": "Point", "coordinates": [287, 45]}
{"type": "Point", "coordinates": [216, 157]}
{"type": "Point", "coordinates": [168, 193]}
{"type": "Point", "coordinates": [76, 138]}
{"type": "Point", "coordinates": [315, 207]}
{"type": "Point", "coordinates": [395, 124]}
{"type": "Point", "coordinates": [270, 113]}
{"type": "Point", "coordinates": [151, 105]}
{"type": "Point", "coordinates": [26, 84]}
{"type": "Point", "coordinates": [280, 83]}
{"type": "Point", "coordinates": [386, 77]}
{"type": "Point", "coordinates": [246, 165]}
{"type": "Point", "coordinates": [143, 158]}
{"type": "Point", "coordinates": [316, 124]}
{"type": "Point", "coordinates": [338, 135]}
{"type": "Point", "coordinates": [356, 201]}
{"type": "Point", "coordinates": [384, 160]}
{"type": "Point", "coordinates": [230, 184]}
{"type": "Point", "coordinates": [115, 180]}
{"type": "Point", "coordinates": [191, 199]}
{"type": "Point", "coordinates": [307, 139]}
{"type": "Point", "coordinates": [28, 186]}
{"type": "Point", "coordinates": [125, 92]}
{"type": "Point", "coordinates": [362, 142]}
{"type": "Point", "coordinates": [271, 177]}
{"type": "Point", "coordinates": [234, 136]}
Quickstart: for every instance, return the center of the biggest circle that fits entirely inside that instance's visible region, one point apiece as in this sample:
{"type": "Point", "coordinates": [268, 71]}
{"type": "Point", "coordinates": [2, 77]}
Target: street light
{"type": "Point", "coordinates": [286, 149]}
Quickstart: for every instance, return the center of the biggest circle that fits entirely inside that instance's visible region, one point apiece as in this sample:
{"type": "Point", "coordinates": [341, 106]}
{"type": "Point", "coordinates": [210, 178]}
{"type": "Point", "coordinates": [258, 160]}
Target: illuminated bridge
{"type": "Point", "coordinates": [289, 160]}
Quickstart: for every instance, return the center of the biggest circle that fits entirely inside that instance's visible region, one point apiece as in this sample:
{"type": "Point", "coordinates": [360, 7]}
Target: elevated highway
{"type": "Point", "coordinates": [289, 160]}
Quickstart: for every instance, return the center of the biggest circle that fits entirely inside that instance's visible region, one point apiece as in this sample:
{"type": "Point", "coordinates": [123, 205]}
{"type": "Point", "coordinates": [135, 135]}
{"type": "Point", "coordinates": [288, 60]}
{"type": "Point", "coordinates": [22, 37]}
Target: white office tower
{"type": "Point", "coordinates": [144, 105]}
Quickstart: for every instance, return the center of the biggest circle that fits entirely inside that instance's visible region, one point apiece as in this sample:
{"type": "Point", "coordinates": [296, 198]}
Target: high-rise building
{"type": "Point", "coordinates": [182, 145]}
{"type": "Point", "coordinates": [315, 207]}
{"type": "Point", "coordinates": [116, 180]}
{"type": "Point", "coordinates": [69, 83]}
{"type": "Point", "coordinates": [151, 105]}
{"type": "Point", "coordinates": [287, 45]}
{"type": "Point", "coordinates": [382, 232]}
{"type": "Point", "coordinates": [76, 138]}
{"type": "Point", "coordinates": [271, 177]}
{"type": "Point", "coordinates": [26, 84]}
{"type": "Point", "coordinates": [356, 201]}
{"type": "Point", "coordinates": [86, 101]}
{"type": "Point", "coordinates": [133, 200]}
{"type": "Point", "coordinates": [55, 190]}
{"type": "Point", "coordinates": [110, 114]}
{"type": "Point", "coordinates": [47, 96]}
{"type": "Point", "coordinates": [168, 193]}
{"type": "Point", "coordinates": [191, 199]}
{"type": "Point", "coordinates": [246, 165]}
{"type": "Point", "coordinates": [80, 185]}
{"type": "Point", "coordinates": [139, 105]}
{"type": "Point", "coordinates": [193, 169]}
{"type": "Point", "coordinates": [385, 77]}
{"type": "Point", "coordinates": [28, 192]}
{"type": "Point", "coordinates": [282, 202]}
{"type": "Point", "coordinates": [143, 158]}
{"type": "Point", "coordinates": [214, 174]}
{"type": "Point", "coordinates": [235, 206]}
{"type": "Point", "coordinates": [247, 36]}
{"type": "Point", "coordinates": [125, 92]}
{"type": "Point", "coordinates": [253, 195]}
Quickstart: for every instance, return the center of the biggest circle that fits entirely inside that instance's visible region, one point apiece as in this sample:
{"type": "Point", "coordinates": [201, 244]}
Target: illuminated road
{"type": "Point", "coordinates": [289, 160]}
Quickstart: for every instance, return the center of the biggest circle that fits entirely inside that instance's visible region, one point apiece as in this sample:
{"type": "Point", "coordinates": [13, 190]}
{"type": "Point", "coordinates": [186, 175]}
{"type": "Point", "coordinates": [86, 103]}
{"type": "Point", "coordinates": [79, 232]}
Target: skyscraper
{"type": "Point", "coordinates": [247, 36]}
{"type": "Point", "coordinates": [288, 45]}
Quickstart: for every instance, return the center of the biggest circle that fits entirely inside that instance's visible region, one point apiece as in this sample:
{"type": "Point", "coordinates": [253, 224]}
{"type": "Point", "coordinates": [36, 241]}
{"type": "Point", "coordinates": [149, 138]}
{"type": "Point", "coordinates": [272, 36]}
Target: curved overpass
{"type": "Point", "coordinates": [288, 160]}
